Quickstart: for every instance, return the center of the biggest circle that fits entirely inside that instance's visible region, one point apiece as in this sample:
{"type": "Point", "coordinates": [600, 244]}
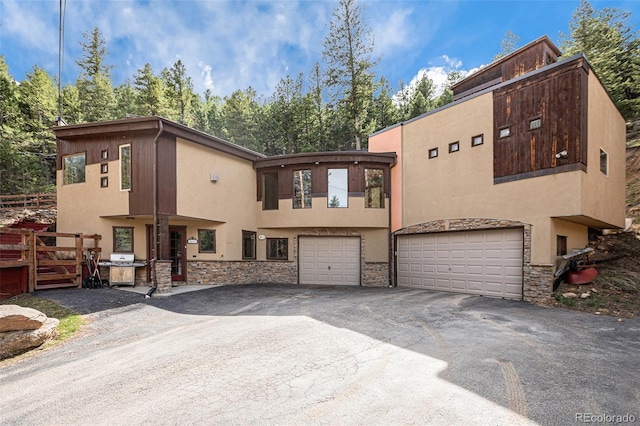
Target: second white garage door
{"type": "Point", "coordinates": [487, 262]}
{"type": "Point", "coordinates": [329, 260]}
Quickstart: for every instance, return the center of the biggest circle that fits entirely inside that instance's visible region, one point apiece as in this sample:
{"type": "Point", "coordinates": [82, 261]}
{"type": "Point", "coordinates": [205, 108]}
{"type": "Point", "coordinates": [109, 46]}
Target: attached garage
{"type": "Point", "coordinates": [329, 260]}
{"type": "Point", "coordinates": [485, 262]}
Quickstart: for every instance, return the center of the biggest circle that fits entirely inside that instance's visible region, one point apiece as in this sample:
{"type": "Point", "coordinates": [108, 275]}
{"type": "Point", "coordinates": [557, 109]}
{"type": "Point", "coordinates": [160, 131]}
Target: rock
{"type": "Point", "coordinates": [598, 313]}
{"type": "Point", "coordinates": [15, 342]}
{"type": "Point", "coordinates": [14, 317]}
{"type": "Point", "coordinates": [570, 295]}
{"type": "Point", "coordinates": [585, 295]}
{"type": "Point", "coordinates": [593, 290]}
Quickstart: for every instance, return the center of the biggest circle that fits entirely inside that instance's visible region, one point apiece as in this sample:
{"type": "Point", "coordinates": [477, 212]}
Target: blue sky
{"type": "Point", "coordinates": [230, 45]}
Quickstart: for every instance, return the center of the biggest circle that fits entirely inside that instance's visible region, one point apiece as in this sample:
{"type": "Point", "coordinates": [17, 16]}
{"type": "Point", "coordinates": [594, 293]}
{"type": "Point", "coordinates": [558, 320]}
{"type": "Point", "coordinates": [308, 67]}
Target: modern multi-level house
{"type": "Point", "coordinates": [479, 196]}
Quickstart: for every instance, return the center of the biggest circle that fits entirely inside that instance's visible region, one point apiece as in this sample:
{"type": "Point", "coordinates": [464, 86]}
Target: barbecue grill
{"type": "Point", "coordinates": [122, 268]}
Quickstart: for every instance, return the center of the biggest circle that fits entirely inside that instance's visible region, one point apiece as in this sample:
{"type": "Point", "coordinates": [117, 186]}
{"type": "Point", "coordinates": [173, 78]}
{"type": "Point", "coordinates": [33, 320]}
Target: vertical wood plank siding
{"type": "Point", "coordinates": [559, 99]}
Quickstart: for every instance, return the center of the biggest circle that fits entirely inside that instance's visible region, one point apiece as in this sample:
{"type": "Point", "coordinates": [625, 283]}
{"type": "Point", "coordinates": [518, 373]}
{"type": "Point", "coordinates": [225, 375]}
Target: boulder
{"type": "Point", "coordinates": [15, 342]}
{"type": "Point", "coordinates": [14, 318]}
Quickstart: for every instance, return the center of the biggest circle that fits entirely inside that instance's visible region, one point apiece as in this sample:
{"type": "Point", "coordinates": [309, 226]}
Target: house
{"type": "Point", "coordinates": [480, 196]}
{"type": "Point", "coordinates": [489, 190]}
{"type": "Point", "coordinates": [224, 214]}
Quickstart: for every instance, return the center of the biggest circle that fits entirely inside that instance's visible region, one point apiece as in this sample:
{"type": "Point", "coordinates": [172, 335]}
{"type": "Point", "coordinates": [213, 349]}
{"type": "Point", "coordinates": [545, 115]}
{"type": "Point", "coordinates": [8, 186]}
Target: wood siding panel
{"type": "Point", "coordinates": [558, 98]}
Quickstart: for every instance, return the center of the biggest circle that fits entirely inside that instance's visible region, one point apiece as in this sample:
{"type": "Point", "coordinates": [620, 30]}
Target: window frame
{"type": "Point", "coordinates": [501, 129]}
{"type": "Point", "coordinates": [104, 154]}
{"type": "Point", "coordinates": [66, 162]}
{"type": "Point", "coordinates": [252, 236]}
{"type": "Point", "coordinates": [454, 147]}
{"type": "Point", "coordinates": [270, 201]}
{"type": "Point", "coordinates": [279, 250]}
{"type": "Point", "coordinates": [368, 198]}
{"type": "Point", "coordinates": [534, 120]}
{"type": "Point", "coordinates": [606, 162]}
{"type": "Point", "coordinates": [473, 140]}
{"type": "Point", "coordinates": [297, 198]}
{"type": "Point", "coordinates": [213, 240]}
{"type": "Point", "coordinates": [433, 153]}
{"type": "Point", "coordinates": [561, 245]}
{"type": "Point", "coordinates": [335, 192]}
{"type": "Point", "coordinates": [104, 182]}
{"type": "Point", "coordinates": [116, 248]}
{"type": "Point", "coordinates": [122, 166]}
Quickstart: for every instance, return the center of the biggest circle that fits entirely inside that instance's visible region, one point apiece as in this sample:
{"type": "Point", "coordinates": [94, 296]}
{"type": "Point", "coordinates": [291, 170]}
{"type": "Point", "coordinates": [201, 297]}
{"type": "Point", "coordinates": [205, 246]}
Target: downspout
{"type": "Point", "coordinates": [154, 276]}
{"type": "Point", "coordinates": [392, 242]}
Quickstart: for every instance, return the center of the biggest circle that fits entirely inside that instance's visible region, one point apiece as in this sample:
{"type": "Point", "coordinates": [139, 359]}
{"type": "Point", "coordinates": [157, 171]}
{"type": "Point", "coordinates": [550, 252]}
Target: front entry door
{"type": "Point", "coordinates": [178, 252]}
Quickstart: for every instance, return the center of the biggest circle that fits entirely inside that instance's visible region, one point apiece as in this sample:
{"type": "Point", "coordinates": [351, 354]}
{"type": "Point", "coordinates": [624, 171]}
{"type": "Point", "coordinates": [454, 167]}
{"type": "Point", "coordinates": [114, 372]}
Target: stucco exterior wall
{"type": "Point", "coordinates": [391, 141]}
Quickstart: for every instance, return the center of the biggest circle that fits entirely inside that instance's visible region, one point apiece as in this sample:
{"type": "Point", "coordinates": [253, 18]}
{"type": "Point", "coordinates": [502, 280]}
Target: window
{"type": "Point", "coordinates": [454, 147]}
{"type": "Point", "coordinates": [123, 239]}
{"type": "Point", "coordinates": [561, 244]}
{"type": "Point", "coordinates": [373, 188]}
{"type": "Point", "coordinates": [433, 152]}
{"type": "Point", "coordinates": [104, 154]}
{"type": "Point", "coordinates": [477, 140]}
{"type": "Point", "coordinates": [604, 162]}
{"type": "Point", "coordinates": [73, 168]}
{"type": "Point", "coordinates": [277, 248]}
{"type": "Point", "coordinates": [534, 124]}
{"type": "Point", "coordinates": [505, 132]}
{"type": "Point", "coordinates": [104, 168]}
{"type": "Point", "coordinates": [104, 182]}
{"type": "Point", "coordinates": [125, 167]}
{"type": "Point", "coordinates": [302, 189]}
{"type": "Point", "coordinates": [206, 241]}
{"type": "Point", "coordinates": [248, 245]}
{"type": "Point", "coordinates": [338, 188]}
{"type": "Point", "coordinates": [270, 191]}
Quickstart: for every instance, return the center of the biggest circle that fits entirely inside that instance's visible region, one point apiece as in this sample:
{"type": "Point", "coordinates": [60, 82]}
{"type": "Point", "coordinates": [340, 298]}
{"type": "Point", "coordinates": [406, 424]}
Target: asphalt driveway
{"type": "Point", "coordinates": [285, 355]}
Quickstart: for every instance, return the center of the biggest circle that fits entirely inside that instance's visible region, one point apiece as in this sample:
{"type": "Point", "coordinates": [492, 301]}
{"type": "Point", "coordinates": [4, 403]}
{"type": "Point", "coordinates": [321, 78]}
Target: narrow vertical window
{"type": "Point", "coordinates": [604, 162]}
{"type": "Point", "coordinates": [302, 189]}
{"type": "Point", "coordinates": [270, 191]}
{"type": "Point", "coordinates": [338, 187]}
{"type": "Point", "coordinates": [373, 188]}
{"type": "Point", "coordinates": [561, 245]}
{"type": "Point", "coordinates": [248, 245]}
{"type": "Point", "coordinates": [125, 167]}
{"type": "Point", "coordinates": [104, 182]}
{"type": "Point", "coordinates": [73, 169]}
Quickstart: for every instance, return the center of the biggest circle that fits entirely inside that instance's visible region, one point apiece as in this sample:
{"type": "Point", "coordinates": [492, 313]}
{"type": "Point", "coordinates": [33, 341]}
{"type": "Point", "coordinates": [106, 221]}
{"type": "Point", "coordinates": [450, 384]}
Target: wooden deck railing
{"type": "Point", "coordinates": [28, 201]}
{"type": "Point", "coordinates": [48, 266]}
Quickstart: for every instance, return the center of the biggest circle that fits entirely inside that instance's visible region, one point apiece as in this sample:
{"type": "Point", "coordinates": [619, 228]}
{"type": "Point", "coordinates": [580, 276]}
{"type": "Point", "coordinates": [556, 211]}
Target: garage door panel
{"type": "Point", "coordinates": [487, 262]}
{"type": "Point", "coordinates": [331, 260]}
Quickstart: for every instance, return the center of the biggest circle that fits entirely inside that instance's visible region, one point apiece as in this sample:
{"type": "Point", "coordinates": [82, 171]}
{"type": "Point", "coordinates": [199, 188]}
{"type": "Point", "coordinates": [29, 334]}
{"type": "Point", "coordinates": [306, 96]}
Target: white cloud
{"type": "Point", "coordinates": [392, 32]}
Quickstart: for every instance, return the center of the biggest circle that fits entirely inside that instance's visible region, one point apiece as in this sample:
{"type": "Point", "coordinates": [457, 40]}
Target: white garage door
{"type": "Point", "coordinates": [329, 260]}
{"type": "Point", "coordinates": [475, 262]}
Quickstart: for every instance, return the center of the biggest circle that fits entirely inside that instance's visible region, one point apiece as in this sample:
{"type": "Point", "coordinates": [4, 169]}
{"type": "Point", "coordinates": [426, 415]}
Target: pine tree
{"type": "Point", "coordinates": [150, 92]}
{"type": "Point", "coordinates": [507, 45]}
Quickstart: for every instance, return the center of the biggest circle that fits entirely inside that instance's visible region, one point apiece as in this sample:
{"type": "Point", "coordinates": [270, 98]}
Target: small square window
{"type": "Point", "coordinates": [477, 140]}
{"type": "Point", "coordinates": [604, 162]}
{"type": "Point", "coordinates": [534, 124]}
{"type": "Point", "coordinates": [206, 241]}
{"type": "Point", "coordinates": [454, 147]}
{"type": "Point", "coordinates": [505, 132]}
{"type": "Point", "coordinates": [104, 154]}
{"type": "Point", "coordinates": [433, 152]}
{"type": "Point", "coordinates": [104, 182]}
{"type": "Point", "coordinates": [277, 248]}
{"type": "Point", "coordinates": [104, 168]}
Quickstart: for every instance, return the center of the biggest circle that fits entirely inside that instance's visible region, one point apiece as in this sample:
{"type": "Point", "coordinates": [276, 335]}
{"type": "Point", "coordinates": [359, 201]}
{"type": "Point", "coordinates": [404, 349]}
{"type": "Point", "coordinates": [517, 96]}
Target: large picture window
{"type": "Point", "coordinates": [123, 239]}
{"type": "Point", "coordinates": [206, 241]}
{"type": "Point", "coordinates": [277, 248]}
{"type": "Point", "coordinates": [338, 188]}
{"type": "Point", "coordinates": [373, 188]}
{"type": "Point", "coordinates": [125, 167]}
{"type": "Point", "coordinates": [248, 245]}
{"type": "Point", "coordinates": [302, 189]}
{"type": "Point", "coordinates": [270, 191]}
{"type": "Point", "coordinates": [73, 169]}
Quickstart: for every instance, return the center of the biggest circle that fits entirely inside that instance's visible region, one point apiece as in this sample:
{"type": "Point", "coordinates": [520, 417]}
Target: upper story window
{"type": "Point", "coordinates": [338, 180]}
{"type": "Point", "coordinates": [373, 188]}
{"type": "Point", "coordinates": [604, 162]}
{"type": "Point", "coordinates": [104, 154]}
{"type": "Point", "coordinates": [454, 147]}
{"type": "Point", "coordinates": [125, 167]}
{"type": "Point", "coordinates": [433, 152]}
{"type": "Point", "coordinates": [536, 123]}
{"type": "Point", "coordinates": [270, 191]}
{"type": "Point", "coordinates": [73, 169]}
{"type": "Point", "coordinates": [302, 189]}
{"type": "Point", "coordinates": [505, 132]}
{"type": "Point", "coordinates": [477, 140]}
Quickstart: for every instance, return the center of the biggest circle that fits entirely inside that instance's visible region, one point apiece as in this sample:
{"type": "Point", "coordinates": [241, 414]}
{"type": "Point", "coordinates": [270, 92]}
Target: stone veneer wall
{"type": "Point", "coordinates": [375, 274]}
{"type": "Point", "coordinates": [537, 279]}
{"type": "Point", "coordinates": [241, 272]}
